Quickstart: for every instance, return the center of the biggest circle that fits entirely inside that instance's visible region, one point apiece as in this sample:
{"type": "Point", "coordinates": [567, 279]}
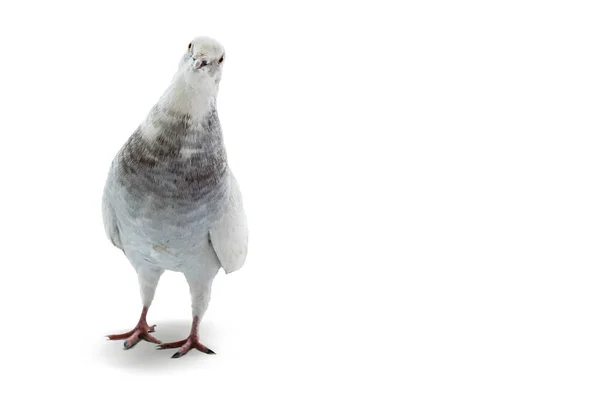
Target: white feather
{"type": "Point", "coordinates": [110, 221]}
{"type": "Point", "coordinates": [229, 236]}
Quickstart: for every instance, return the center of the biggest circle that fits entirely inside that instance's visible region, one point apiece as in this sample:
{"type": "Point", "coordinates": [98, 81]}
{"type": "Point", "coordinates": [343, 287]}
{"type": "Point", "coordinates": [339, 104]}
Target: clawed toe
{"type": "Point", "coordinates": [185, 346]}
{"type": "Point", "coordinates": [133, 337]}
{"type": "Point", "coordinates": [142, 332]}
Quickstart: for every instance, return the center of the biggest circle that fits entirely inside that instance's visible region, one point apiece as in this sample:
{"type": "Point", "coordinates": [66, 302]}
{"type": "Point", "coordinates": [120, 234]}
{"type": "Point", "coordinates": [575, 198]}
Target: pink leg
{"type": "Point", "coordinates": [141, 331]}
{"type": "Point", "coordinates": [186, 345]}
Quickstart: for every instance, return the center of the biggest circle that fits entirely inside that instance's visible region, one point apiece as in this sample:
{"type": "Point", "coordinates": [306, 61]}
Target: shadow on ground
{"type": "Point", "coordinates": [145, 356]}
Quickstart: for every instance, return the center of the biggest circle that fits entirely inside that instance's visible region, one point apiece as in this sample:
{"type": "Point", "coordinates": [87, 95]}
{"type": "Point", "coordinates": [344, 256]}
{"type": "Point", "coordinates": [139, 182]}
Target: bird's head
{"type": "Point", "coordinates": [202, 63]}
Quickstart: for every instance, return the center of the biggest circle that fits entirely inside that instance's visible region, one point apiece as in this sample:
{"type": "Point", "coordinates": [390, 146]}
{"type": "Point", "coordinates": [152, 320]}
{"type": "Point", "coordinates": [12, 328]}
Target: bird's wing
{"type": "Point", "coordinates": [110, 220]}
{"type": "Point", "coordinates": [229, 236]}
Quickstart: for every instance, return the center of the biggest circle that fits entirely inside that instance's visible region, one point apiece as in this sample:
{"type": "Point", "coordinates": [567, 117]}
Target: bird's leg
{"type": "Point", "coordinates": [141, 331]}
{"type": "Point", "coordinates": [200, 286]}
{"type": "Point", "coordinates": [185, 345]}
{"type": "Point", "coordinates": [148, 280]}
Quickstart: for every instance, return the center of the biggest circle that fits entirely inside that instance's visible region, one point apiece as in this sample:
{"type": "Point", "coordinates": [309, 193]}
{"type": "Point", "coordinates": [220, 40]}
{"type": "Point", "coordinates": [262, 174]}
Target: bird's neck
{"type": "Point", "coordinates": [194, 100]}
{"type": "Point", "coordinates": [185, 108]}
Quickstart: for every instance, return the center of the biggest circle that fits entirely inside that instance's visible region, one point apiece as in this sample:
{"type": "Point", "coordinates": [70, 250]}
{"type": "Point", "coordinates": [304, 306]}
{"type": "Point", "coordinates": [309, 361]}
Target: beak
{"type": "Point", "coordinates": [199, 63]}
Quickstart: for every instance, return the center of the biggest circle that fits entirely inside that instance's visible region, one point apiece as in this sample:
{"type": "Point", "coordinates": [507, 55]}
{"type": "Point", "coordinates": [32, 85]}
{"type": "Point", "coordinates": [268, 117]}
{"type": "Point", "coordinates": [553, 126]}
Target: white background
{"type": "Point", "coordinates": [421, 180]}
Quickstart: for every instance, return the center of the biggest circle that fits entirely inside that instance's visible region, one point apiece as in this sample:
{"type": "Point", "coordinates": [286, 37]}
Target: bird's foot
{"type": "Point", "coordinates": [133, 337]}
{"type": "Point", "coordinates": [185, 345]}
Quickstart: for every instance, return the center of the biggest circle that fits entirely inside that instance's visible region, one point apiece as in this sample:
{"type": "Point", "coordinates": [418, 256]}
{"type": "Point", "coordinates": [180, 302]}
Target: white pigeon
{"type": "Point", "coordinates": [170, 201]}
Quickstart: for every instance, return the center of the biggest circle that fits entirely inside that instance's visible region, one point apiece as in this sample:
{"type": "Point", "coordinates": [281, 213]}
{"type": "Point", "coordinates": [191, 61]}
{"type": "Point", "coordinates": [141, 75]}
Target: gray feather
{"type": "Point", "coordinates": [159, 202]}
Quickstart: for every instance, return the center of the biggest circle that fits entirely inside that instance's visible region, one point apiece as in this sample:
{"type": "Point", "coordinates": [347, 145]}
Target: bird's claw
{"type": "Point", "coordinates": [133, 337]}
{"type": "Point", "coordinates": [185, 345]}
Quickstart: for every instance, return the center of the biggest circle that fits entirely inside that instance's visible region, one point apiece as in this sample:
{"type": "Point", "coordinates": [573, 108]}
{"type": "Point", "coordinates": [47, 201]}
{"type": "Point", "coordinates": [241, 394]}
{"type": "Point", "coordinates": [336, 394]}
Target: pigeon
{"type": "Point", "coordinates": [170, 201]}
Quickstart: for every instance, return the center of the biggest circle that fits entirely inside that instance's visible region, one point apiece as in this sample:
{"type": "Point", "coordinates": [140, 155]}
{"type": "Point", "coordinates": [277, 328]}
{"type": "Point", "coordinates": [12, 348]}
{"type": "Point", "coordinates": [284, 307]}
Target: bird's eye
{"type": "Point", "coordinates": [190, 46]}
{"type": "Point", "coordinates": [221, 59]}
